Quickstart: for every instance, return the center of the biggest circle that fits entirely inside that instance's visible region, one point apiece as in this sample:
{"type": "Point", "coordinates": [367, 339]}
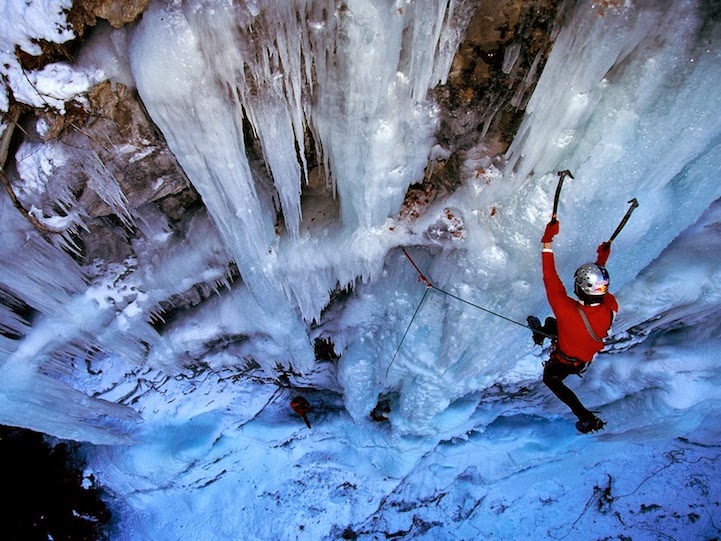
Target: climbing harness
{"type": "Point", "coordinates": [557, 356]}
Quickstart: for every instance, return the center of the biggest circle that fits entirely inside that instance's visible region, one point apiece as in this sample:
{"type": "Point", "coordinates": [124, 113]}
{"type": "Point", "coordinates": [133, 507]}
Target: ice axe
{"type": "Point", "coordinates": [562, 175]}
{"type": "Point", "coordinates": [633, 206]}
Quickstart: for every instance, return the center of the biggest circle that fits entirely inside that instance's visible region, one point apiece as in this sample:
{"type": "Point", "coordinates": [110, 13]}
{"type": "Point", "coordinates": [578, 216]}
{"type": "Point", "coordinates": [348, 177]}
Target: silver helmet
{"type": "Point", "coordinates": [591, 280]}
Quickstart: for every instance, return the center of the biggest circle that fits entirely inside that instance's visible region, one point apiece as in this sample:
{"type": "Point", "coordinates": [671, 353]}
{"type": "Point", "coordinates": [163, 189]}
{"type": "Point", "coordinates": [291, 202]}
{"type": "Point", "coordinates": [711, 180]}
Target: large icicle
{"type": "Point", "coordinates": [292, 69]}
{"type": "Point", "coordinates": [204, 129]}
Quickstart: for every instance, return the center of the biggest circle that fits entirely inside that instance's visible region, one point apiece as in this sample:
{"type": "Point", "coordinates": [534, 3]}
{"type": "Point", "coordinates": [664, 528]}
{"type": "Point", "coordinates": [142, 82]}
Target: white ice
{"type": "Point", "coordinates": [474, 447]}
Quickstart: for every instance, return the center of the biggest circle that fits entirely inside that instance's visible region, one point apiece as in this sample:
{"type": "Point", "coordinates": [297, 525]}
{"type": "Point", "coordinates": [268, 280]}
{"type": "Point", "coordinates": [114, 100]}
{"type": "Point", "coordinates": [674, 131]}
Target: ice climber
{"type": "Point", "coordinates": [579, 326]}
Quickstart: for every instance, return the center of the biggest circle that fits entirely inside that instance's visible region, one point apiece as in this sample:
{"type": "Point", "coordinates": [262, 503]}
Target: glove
{"type": "Point", "coordinates": [603, 251]}
{"type": "Point", "coordinates": [551, 231]}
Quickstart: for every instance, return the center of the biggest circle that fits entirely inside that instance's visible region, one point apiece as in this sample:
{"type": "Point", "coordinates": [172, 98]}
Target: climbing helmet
{"type": "Point", "coordinates": [591, 280]}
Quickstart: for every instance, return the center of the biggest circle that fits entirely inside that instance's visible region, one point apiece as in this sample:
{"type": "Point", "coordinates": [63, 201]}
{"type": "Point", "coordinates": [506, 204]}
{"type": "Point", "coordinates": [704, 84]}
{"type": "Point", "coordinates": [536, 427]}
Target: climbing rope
{"type": "Point", "coordinates": [480, 307]}
{"type": "Point", "coordinates": [407, 329]}
{"type": "Point", "coordinates": [433, 286]}
{"type": "Point", "coordinates": [430, 285]}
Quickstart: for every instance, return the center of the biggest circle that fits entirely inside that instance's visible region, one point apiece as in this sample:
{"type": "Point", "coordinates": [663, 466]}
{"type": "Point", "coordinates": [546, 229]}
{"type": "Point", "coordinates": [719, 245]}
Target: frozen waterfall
{"type": "Point", "coordinates": [302, 125]}
{"type": "Point", "coordinates": [627, 102]}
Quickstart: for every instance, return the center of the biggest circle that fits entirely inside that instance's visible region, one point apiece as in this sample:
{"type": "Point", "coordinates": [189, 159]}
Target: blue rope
{"type": "Point", "coordinates": [422, 277]}
{"type": "Point", "coordinates": [407, 329]}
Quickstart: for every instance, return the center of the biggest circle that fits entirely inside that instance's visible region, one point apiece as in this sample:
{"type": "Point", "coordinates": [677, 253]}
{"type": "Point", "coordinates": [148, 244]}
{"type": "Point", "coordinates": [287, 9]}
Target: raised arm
{"type": "Point", "coordinates": [555, 289]}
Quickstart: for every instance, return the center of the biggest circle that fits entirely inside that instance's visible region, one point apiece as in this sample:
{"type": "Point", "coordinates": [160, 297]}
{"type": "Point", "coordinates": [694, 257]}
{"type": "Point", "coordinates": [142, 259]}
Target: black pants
{"type": "Point", "coordinates": [553, 375]}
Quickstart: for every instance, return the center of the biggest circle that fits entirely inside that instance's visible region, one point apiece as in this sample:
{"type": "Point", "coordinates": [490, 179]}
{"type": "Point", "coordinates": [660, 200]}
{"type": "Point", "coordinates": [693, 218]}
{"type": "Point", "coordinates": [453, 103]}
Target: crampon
{"type": "Point", "coordinates": [593, 424]}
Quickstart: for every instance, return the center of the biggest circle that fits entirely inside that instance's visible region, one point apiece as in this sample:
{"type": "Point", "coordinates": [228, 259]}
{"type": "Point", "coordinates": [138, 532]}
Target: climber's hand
{"type": "Point", "coordinates": [552, 229]}
{"type": "Point", "coordinates": [603, 251]}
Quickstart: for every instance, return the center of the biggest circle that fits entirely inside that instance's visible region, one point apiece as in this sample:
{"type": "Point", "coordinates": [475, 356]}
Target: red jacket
{"type": "Point", "coordinates": [574, 340]}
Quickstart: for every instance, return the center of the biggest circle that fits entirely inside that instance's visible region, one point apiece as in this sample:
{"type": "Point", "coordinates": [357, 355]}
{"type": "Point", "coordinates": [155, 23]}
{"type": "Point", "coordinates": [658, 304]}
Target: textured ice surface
{"type": "Point", "coordinates": [627, 101]}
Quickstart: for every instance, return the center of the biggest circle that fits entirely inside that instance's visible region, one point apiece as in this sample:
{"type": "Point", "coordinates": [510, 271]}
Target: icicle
{"type": "Point", "coordinates": [517, 99]}
{"type": "Point", "coordinates": [210, 145]}
{"type": "Point", "coordinates": [103, 182]}
{"type": "Point", "coordinates": [10, 324]}
{"type": "Point", "coordinates": [530, 77]}
{"type": "Point", "coordinates": [510, 57]}
{"type": "Point", "coordinates": [33, 270]}
{"type": "Point", "coordinates": [294, 67]}
{"type": "Point", "coordinates": [595, 44]}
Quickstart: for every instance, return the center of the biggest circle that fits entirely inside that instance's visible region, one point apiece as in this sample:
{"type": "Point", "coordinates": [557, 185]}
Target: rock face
{"type": "Point", "coordinates": [131, 149]}
{"type": "Point", "coordinates": [494, 72]}
{"type": "Point", "coordinates": [113, 162]}
{"type": "Point", "coordinates": [493, 75]}
{"type": "Point", "coordinates": [119, 12]}
{"type": "Point", "coordinates": [116, 12]}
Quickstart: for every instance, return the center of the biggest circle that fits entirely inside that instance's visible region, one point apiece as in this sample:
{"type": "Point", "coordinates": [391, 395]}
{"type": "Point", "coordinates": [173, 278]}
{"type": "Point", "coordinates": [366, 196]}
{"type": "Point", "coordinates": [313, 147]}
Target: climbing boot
{"type": "Point", "coordinates": [594, 424]}
{"type": "Point", "coordinates": [538, 335]}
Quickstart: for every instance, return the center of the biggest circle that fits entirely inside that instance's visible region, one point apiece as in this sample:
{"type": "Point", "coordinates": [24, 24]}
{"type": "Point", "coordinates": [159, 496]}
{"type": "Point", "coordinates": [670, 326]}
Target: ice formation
{"type": "Point", "coordinates": [302, 124]}
{"type": "Point", "coordinates": [303, 150]}
{"type": "Point", "coordinates": [294, 67]}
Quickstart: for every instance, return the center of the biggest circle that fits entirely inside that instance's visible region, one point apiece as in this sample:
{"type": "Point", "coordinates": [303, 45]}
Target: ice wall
{"type": "Point", "coordinates": [351, 77]}
{"type": "Point", "coordinates": [634, 89]}
{"type": "Point", "coordinates": [291, 75]}
{"type": "Point", "coordinates": [619, 87]}
{"type": "Point", "coordinates": [627, 102]}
